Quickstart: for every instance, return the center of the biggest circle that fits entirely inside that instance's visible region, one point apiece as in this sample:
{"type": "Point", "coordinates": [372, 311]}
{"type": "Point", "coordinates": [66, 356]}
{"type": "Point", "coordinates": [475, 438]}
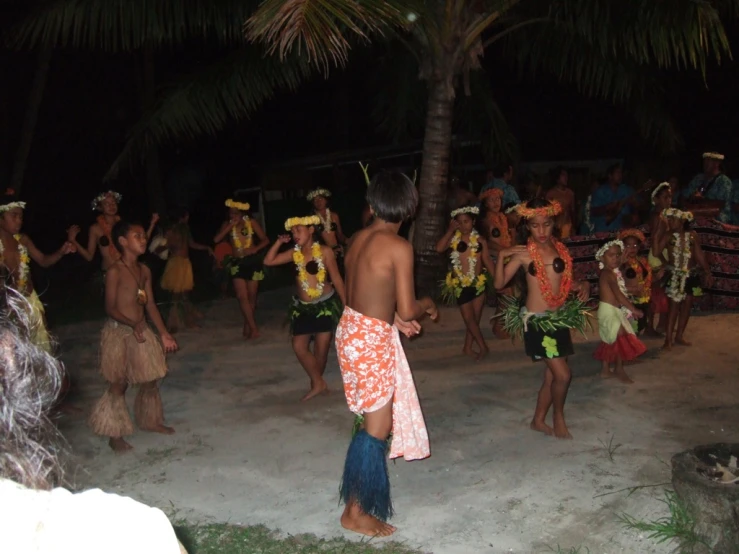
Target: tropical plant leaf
{"type": "Point", "coordinates": [227, 91]}
{"type": "Point", "coordinates": [124, 25]}
{"type": "Point", "coordinates": [321, 28]}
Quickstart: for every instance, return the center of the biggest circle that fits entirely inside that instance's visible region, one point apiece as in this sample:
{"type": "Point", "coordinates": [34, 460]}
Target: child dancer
{"type": "Point", "coordinates": [682, 276]}
{"type": "Point", "coordinates": [177, 278]}
{"type": "Point", "coordinates": [658, 303]}
{"type": "Point", "coordinates": [377, 379]}
{"type": "Point", "coordinates": [497, 235]}
{"type": "Point", "coordinates": [244, 266]}
{"type": "Point", "coordinates": [637, 273]}
{"type": "Point", "coordinates": [615, 312]}
{"type": "Point", "coordinates": [331, 232]}
{"type": "Point", "coordinates": [466, 282]}
{"type": "Point", "coordinates": [130, 353]}
{"type": "Point", "coordinates": [316, 309]}
{"type": "Point", "coordinates": [16, 252]}
{"type": "Point", "coordinates": [100, 231]}
{"type": "Point", "coordinates": [545, 314]}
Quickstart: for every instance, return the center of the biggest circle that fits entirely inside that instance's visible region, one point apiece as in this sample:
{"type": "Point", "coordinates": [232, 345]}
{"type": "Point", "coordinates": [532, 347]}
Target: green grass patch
{"type": "Point", "coordinates": [224, 538]}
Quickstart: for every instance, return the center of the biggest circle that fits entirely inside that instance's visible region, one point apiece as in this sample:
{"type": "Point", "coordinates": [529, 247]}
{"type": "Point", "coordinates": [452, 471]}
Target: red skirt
{"type": "Point", "coordinates": [628, 346]}
{"type": "Point", "coordinates": [658, 301]}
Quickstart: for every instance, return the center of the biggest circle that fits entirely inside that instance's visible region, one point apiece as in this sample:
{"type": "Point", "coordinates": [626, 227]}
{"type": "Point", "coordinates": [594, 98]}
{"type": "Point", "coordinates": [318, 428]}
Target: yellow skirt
{"type": "Point", "coordinates": [655, 262]}
{"type": "Point", "coordinates": [39, 334]}
{"type": "Point", "coordinates": [177, 277]}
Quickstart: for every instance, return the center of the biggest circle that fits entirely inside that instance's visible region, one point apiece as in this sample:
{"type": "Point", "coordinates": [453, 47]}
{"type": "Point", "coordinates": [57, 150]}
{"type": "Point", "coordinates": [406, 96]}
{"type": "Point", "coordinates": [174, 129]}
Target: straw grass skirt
{"type": "Point", "coordinates": [177, 277]}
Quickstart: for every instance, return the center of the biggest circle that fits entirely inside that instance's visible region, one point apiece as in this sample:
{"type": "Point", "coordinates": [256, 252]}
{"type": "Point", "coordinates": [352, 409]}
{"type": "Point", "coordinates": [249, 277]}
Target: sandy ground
{"type": "Point", "coordinates": [246, 451]}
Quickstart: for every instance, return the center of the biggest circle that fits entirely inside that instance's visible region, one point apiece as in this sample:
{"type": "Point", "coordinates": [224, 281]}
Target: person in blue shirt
{"type": "Point", "coordinates": [711, 191]}
{"type": "Point", "coordinates": [612, 203]}
{"type": "Point", "coordinates": [502, 182]}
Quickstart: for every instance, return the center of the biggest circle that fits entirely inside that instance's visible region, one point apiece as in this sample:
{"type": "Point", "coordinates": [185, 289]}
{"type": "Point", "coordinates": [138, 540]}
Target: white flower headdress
{"type": "Point", "coordinates": [674, 212]}
{"type": "Point", "coordinates": [474, 210]}
{"type": "Point", "coordinates": [11, 205]}
{"type": "Point", "coordinates": [512, 209]}
{"type": "Point", "coordinates": [100, 197]}
{"type": "Point", "coordinates": [713, 156]}
{"type": "Point", "coordinates": [658, 188]}
{"type": "Point", "coordinates": [318, 192]}
{"type": "Point", "coordinates": [603, 249]}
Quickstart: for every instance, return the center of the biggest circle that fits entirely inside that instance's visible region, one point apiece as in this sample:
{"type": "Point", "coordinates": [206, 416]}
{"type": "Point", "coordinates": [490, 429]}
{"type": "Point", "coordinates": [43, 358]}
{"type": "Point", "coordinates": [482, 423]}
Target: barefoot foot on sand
{"type": "Point", "coordinates": [667, 346]}
{"type": "Point", "coordinates": [163, 429]}
{"type": "Point", "coordinates": [119, 446]}
{"type": "Point", "coordinates": [541, 427]}
{"type": "Point", "coordinates": [318, 388]}
{"type": "Point", "coordinates": [621, 375]}
{"type": "Point", "coordinates": [682, 342]}
{"type": "Point", "coordinates": [561, 431]}
{"type": "Point", "coordinates": [353, 520]}
{"type": "Point", "coordinates": [606, 374]}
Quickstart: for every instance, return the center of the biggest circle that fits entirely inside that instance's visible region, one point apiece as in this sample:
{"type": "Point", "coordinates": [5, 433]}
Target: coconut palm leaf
{"type": "Point", "coordinates": [227, 91]}
{"type": "Point", "coordinates": [124, 25]}
{"type": "Point", "coordinates": [322, 28]}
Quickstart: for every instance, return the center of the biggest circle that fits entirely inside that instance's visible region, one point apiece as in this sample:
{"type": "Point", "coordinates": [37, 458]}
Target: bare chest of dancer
{"type": "Point", "coordinates": [242, 232]}
{"type": "Point", "coordinates": [311, 270]}
{"type": "Point", "coordinates": [553, 267]}
{"type": "Point", "coordinates": [108, 253]}
{"type": "Point", "coordinates": [11, 261]}
{"type": "Point", "coordinates": [130, 281]}
{"type": "Point", "coordinates": [370, 274]}
{"type": "Point", "coordinates": [465, 249]}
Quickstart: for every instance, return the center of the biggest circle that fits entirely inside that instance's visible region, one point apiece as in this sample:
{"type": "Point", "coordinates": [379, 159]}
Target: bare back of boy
{"type": "Point", "coordinates": [373, 262]}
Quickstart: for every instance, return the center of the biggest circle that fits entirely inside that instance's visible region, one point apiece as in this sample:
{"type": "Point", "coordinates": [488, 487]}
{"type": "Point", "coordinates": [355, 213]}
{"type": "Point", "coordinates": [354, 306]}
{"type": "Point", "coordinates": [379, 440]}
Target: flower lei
{"type": "Point", "coordinates": [622, 287]}
{"type": "Point", "coordinates": [242, 206]}
{"type": "Point", "coordinates": [325, 223]}
{"type": "Point", "coordinates": [499, 221]}
{"type": "Point", "coordinates": [318, 192]}
{"type": "Point", "coordinates": [305, 221]}
{"type": "Point", "coordinates": [22, 281]}
{"type": "Point", "coordinates": [657, 190]}
{"type": "Point", "coordinates": [679, 214]}
{"type": "Point", "coordinates": [299, 260]}
{"type": "Point", "coordinates": [100, 197]}
{"type": "Point", "coordinates": [554, 208]}
{"type": "Point", "coordinates": [474, 210]}
{"type": "Point", "coordinates": [552, 300]}
{"type": "Point", "coordinates": [247, 232]}
{"type": "Point", "coordinates": [603, 249]}
{"type": "Point", "coordinates": [512, 209]}
{"type": "Point", "coordinates": [680, 253]}
{"type": "Point", "coordinates": [459, 277]}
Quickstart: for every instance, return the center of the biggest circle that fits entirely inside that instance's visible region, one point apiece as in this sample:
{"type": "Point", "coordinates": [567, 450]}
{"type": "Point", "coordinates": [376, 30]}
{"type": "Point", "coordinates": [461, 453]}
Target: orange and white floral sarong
{"type": "Point", "coordinates": [374, 369]}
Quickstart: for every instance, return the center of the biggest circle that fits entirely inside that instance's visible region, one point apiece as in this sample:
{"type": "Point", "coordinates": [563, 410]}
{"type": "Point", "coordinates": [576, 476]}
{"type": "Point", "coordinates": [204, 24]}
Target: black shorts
{"type": "Point", "coordinates": [560, 343]}
{"type": "Point", "coordinates": [249, 269]}
{"type": "Point", "coordinates": [467, 295]}
{"type": "Point", "coordinates": [311, 325]}
{"type": "Point", "coordinates": [316, 317]}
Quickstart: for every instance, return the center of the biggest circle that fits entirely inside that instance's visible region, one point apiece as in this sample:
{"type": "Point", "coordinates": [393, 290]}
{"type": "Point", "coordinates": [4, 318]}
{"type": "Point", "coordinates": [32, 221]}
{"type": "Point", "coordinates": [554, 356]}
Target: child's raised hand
{"type": "Point", "coordinates": [169, 344]}
{"type": "Point", "coordinates": [512, 251]}
{"type": "Point", "coordinates": [154, 219]}
{"type": "Point", "coordinates": [68, 248]}
{"type": "Point", "coordinates": [284, 239]}
{"type": "Point", "coordinates": [453, 225]}
{"type": "Point", "coordinates": [72, 233]}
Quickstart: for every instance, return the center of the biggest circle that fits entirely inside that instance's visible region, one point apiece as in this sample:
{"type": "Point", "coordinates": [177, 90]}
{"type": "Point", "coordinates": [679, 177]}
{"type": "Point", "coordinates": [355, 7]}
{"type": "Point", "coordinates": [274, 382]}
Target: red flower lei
{"type": "Point", "coordinates": [498, 220]}
{"type": "Point", "coordinates": [644, 282]}
{"type": "Point", "coordinates": [552, 300]}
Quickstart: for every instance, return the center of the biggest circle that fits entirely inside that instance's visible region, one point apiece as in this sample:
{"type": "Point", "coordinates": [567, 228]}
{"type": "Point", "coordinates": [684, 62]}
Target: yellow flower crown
{"type": "Point", "coordinates": [554, 208]}
{"type": "Point", "coordinates": [306, 221]}
{"type": "Point", "coordinates": [242, 206]}
{"type": "Point", "coordinates": [679, 214]}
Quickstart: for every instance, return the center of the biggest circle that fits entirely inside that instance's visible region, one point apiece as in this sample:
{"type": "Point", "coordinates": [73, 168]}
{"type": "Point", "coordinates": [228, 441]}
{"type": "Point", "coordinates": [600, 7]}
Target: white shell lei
{"type": "Point", "coordinates": [681, 263]}
{"type": "Point", "coordinates": [622, 287]}
{"type": "Point", "coordinates": [326, 223]}
{"type": "Point", "coordinates": [471, 260]}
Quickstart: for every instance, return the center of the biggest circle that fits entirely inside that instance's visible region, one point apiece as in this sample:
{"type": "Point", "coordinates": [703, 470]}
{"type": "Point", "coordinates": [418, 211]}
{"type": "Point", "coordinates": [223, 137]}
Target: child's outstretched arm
{"type": "Point", "coordinates": [700, 258]}
{"type": "Point", "coordinates": [407, 306]}
{"type": "Point", "coordinates": [152, 224]}
{"type": "Point", "coordinates": [329, 260]}
{"type": "Point", "coordinates": [274, 257]}
{"type": "Point", "coordinates": [88, 253]}
{"type": "Point", "coordinates": [446, 240]}
{"type": "Point", "coordinates": [45, 260]}
{"type": "Point", "coordinates": [505, 272]}
{"type": "Point", "coordinates": [169, 344]}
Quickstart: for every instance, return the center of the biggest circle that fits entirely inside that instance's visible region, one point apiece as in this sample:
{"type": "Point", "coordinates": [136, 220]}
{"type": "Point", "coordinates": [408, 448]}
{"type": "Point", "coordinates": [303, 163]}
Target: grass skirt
{"type": "Point", "coordinates": [177, 277]}
{"type": "Point", "coordinates": [125, 360]}
{"type": "Point", "coordinates": [39, 334]}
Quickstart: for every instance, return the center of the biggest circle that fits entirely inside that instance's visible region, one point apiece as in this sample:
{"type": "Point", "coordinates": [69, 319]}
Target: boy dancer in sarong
{"type": "Point", "coordinates": [545, 314]}
{"type": "Point", "coordinates": [615, 314]}
{"type": "Point", "coordinates": [130, 353]}
{"type": "Point", "coordinates": [377, 380]}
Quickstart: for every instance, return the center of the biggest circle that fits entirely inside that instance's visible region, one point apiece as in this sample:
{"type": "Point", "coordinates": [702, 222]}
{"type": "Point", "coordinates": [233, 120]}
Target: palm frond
{"type": "Point", "coordinates": [227, 91]}
{"type": "Point", "coordinates": [124, 25]}
{"type": "Point", "coordinates": [322, 28]}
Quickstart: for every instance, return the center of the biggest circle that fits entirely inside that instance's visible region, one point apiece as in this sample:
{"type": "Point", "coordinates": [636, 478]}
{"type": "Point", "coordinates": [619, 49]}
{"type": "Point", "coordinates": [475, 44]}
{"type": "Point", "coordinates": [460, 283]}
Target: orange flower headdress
{"type": "Point", "coordinates": [490, 193]}
{"type": "Point", "coordinates": [554, 208]}
{"type": "Point", "coordinates": [635, 233]}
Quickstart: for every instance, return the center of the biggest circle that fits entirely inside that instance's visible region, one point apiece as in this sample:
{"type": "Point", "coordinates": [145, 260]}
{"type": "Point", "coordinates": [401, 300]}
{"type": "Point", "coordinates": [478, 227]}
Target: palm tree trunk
{"type": "Point", "coordinates": [31, 117]}
{"type": "Point", "coordinates": [432, 216]}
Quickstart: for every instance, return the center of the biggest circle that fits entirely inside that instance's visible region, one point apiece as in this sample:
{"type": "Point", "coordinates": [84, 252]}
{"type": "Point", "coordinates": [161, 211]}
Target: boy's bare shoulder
{"type": "Point", "coordinates": [145, 271]}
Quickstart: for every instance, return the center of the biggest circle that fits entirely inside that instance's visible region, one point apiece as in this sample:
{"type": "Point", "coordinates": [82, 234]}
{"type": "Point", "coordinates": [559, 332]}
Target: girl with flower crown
{"type": "Point", "coordinates": [331, 231]}
{"type": "Point", "coordinates": [637, 274]}
{"type": "Point", "coordinates": [466, 282]}
{"type": "Point", "coordinates": [16, 252]}
{"type": "Point", "coordinates": [497, 235]}
{"type": "Point", "coordinates": [682, 280]}
{"type": "Point", "coordinates": [247, 239]}
{"type": "Point", "coordinates": [100, 232]}
{"type": "Point", "coordinates": [619, 343]}
{"type": "Point", "coordinates": [316, 309]}
{"type": "Point", "coordinates": [545, 313]}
